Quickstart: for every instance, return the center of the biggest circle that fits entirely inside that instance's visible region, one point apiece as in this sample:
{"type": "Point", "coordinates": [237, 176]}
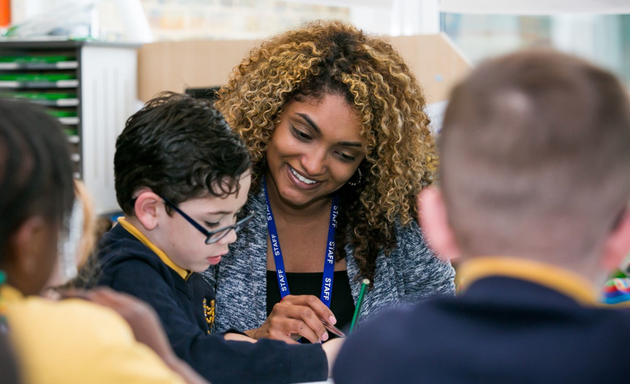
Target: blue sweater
{"type": "Point", "coordinates": [502, 329]}
{"type": "Point", "coordinates": [185, 310]}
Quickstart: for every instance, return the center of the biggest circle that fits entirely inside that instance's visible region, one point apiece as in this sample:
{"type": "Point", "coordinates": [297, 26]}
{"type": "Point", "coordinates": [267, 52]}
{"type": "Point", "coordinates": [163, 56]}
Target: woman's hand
{"type": "Point", "coordinates": [296, 315]}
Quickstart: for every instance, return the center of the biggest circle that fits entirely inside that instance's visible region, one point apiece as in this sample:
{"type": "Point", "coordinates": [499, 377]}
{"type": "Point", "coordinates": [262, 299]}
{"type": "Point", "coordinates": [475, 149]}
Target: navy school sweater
{"type": "Point", "coordinates": [510, 327]}
{"type": "Point", "coordinates": [186, 310]}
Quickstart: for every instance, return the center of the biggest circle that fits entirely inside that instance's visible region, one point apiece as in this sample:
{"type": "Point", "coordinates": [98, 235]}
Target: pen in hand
{"type": "Point", "coordinates": [332, 329]}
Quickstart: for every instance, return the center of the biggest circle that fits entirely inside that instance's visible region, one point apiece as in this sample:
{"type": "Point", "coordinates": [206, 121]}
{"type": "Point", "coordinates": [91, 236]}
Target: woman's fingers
{"type": "Point", "coordinates": [278, 335]}
{"type": "Point", "coordinates": [315, 304]}
{"type": "Point", "coordinates": [291, 326]}
{"type": "Point", "coordinates": [300, 315]}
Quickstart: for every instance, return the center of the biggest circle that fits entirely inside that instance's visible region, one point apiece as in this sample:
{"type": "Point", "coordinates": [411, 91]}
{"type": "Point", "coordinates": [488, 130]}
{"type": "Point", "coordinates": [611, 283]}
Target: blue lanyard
{"type": "Point", "coordinates": [329, 265]}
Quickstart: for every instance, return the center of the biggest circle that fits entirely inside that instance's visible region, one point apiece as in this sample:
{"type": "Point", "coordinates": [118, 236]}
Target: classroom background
{"type": "Point", "coordinates": [93, 63]}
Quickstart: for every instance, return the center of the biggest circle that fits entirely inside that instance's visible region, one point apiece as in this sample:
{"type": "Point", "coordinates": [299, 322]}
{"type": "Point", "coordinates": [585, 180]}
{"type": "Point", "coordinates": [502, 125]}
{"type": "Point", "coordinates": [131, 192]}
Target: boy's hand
{"type": "Point", "coordinates": [331, 349]}
{"type": "Point", "coordinates": [296, 315]}
{"type": "Point", "coordinates": [238, 337]}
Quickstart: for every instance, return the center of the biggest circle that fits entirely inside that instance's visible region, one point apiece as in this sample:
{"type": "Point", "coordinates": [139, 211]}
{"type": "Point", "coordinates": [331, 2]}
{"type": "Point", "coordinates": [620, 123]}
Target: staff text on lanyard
{"type": "Point", "coordinates": [329, 264]}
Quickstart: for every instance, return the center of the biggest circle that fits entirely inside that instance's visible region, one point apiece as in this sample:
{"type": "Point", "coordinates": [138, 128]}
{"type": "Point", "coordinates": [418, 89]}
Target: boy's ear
{"type": "Point", "coordinates": [147, 208]}
{"type": "Point", "coordinates": [617, 244]}
{"type": "Point", "coordinates": [433, 219]}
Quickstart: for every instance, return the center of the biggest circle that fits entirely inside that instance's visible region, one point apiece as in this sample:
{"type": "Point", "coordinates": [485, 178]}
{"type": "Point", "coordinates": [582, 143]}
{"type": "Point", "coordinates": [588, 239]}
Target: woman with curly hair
{"type": "Point", "coordinates": [341, 148]}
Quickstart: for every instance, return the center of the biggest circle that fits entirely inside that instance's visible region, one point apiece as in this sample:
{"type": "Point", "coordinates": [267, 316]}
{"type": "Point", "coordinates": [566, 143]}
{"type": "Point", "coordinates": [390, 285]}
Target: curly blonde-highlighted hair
{"type": "Point", "coordinates": [324, 58]}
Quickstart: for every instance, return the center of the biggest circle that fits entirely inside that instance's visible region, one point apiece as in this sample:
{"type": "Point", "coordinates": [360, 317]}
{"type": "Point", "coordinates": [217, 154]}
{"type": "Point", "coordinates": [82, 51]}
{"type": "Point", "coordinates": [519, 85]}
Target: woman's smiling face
{"type": "Point", "coordinates": [315, 149]}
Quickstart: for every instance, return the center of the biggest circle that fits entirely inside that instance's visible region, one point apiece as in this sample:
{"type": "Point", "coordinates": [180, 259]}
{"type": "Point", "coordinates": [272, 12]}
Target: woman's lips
{"type": "Point", "coordinates": [299, 183]}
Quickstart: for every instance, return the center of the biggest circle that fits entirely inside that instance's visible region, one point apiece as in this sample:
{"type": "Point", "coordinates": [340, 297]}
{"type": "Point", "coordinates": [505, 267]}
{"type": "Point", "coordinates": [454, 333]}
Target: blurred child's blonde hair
{"type": "Point", "coordinates": [88, 235]}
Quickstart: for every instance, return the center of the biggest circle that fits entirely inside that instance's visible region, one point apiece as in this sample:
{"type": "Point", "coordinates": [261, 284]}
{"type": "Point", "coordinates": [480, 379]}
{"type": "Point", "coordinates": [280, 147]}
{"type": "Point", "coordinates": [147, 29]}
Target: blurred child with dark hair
{"type": "Point", "coordinates": [68, 341]}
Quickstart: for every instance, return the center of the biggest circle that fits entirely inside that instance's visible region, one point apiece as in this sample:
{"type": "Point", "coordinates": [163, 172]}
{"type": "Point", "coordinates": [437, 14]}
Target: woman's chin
{"type": "Point", "coordinates": [297, 198]}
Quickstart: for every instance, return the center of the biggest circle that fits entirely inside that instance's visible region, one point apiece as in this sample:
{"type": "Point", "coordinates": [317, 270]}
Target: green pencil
{"type": "Point", "coordinates": [357, 310]}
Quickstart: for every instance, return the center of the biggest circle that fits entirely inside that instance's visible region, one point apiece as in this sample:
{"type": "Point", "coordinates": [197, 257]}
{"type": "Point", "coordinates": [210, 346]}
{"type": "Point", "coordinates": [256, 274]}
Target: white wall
{"type": "Point", "coordinates": [398, 17]}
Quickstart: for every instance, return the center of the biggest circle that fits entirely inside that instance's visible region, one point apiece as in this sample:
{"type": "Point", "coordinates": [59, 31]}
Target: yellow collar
{"type": "Point", "coordinates": [143, 239]}
{"type": "Point", "coordinates": [566, 282]}
{"type": "Point", "coordinates": [10, 294]}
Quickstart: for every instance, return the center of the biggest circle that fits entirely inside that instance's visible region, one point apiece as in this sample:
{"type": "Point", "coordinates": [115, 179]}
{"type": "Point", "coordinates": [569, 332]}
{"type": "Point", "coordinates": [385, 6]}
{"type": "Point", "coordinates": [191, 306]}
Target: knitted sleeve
{"type": "Point", "coordinates": [424, 273]}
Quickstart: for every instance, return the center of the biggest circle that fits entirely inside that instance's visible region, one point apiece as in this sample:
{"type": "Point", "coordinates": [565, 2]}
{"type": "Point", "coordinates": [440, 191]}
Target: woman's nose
{"type": "Point", "coordinates": [314, 163]}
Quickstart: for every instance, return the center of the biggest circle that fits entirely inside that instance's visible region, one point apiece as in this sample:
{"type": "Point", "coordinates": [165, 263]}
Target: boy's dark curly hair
{"type": "Point", "coordinates": [181, 148]}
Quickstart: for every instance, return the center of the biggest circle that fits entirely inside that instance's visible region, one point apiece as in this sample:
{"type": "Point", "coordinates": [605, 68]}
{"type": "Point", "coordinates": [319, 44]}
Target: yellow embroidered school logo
{"type": "Point", "coordinates": [208, 311]}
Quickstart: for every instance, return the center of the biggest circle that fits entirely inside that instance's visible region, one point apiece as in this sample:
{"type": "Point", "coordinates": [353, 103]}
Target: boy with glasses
{"type": "Point", "coordinates": [182, 176]}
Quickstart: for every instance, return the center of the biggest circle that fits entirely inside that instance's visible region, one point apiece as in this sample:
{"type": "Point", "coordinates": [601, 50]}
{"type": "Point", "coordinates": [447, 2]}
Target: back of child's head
{"type": "Point", "coordinates": [36, 193]}
{"type": "Point", "coordinates": [535, 156]}
{"type": "Point", "coordinates": [179, 147]}
{"type": "Point", "coordinates": [35, 169]}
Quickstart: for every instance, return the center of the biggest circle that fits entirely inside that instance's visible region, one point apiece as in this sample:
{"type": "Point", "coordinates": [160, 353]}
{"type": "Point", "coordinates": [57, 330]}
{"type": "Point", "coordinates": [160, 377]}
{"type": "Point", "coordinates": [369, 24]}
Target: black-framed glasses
{"type": "Point", "coordinates": [216, 235]}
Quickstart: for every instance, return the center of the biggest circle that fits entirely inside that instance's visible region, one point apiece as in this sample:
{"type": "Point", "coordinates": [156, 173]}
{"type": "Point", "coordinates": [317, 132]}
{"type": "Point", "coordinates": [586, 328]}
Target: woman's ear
{"type": "Point", "coordinates": [433, 219]}
{"type": "Point", "coordinates": [148, 207]}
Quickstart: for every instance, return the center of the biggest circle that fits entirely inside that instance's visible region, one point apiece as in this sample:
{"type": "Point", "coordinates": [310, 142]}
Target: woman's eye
{"type": "Point", "coordinates": [300, 135]}
{"type": "Point", "coordinates": [347, 158]}
{"type": "Point", "coordinates": [211, 225]}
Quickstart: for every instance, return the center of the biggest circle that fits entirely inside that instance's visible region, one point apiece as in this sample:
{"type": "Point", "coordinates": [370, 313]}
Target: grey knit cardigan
{"type": "Point", "coordinates": [410, 273]}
